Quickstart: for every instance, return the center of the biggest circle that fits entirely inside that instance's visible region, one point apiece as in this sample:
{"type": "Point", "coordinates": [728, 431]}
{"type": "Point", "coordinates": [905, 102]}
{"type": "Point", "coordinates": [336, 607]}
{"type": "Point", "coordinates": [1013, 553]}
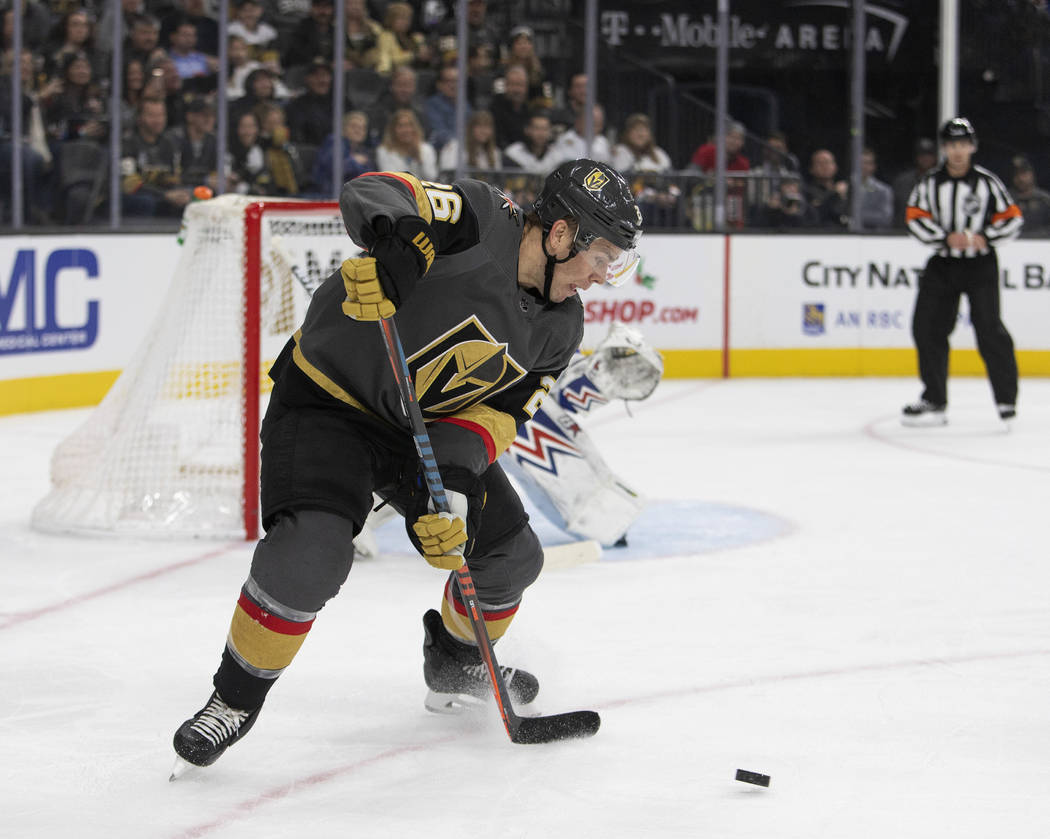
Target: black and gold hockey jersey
{"type": "Point", "coordinates": [482, 350]}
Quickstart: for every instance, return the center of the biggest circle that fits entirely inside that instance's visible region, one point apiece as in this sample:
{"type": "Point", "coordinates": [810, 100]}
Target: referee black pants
{"type": "Point", "coordinates": [943, 282]}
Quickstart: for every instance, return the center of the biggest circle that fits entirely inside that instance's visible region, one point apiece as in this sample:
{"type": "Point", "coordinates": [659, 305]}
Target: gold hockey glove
{"type": "Point", "coordinates": [443, 536]}
{"type": "Point", "coordinates": [400, 254]}
{"type": "Point", "coordinates": [365, 299]}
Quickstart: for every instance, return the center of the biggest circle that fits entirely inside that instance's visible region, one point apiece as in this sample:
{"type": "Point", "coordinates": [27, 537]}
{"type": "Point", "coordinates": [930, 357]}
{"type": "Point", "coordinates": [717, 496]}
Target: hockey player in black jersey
{"type": "Point", "coordinates": [487, 307]}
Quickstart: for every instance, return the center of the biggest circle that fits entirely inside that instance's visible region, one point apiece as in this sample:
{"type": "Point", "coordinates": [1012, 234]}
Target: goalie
{"type": "Point", "coordinates": [555, 460]}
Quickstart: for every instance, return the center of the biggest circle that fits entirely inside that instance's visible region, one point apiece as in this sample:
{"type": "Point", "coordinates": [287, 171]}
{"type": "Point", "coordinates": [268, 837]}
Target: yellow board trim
{"type": "Point", "coordinates": [51, 393]}
{"type": "Point", "coordinates": [867, 362]}
{"type": "Point", "coordinates": [79, 390]}
{"type": "Point", "coordinates": [692, 364]}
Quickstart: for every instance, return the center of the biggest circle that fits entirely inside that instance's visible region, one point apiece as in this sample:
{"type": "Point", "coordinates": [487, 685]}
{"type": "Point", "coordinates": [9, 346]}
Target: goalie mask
{"type": "Point", "coordinates": [598, 198]}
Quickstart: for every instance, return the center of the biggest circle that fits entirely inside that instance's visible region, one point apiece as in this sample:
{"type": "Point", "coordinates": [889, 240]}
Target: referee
{"type": "Point", "coordinates": [963, 211]}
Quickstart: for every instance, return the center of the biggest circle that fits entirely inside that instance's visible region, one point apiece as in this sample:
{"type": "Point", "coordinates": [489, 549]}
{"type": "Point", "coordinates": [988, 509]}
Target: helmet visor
{"type": "Point", "coordinates": [615, 265]}
{"type": "Point", "coordinates": [622, 271]}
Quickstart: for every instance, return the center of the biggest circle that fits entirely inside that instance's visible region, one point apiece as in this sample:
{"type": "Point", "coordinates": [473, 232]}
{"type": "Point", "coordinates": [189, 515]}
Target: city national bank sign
{"type": "Point", "coordinates": [45, 304]}
{"type": "Point", "coordinates": [785, 34]}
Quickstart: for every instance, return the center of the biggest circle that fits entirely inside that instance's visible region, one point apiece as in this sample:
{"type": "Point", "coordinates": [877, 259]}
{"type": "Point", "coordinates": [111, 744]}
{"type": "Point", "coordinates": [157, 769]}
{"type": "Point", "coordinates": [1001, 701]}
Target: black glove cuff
{"type": "Point", "coordinates": [403, 253]}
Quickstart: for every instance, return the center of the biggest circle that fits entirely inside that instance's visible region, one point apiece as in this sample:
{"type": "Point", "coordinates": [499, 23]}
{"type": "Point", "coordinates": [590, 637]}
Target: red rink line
{"type": "Point", "coordinates": [832, 672]}
{"type": "Point", "coordinates": [869, 431]}
{"type": "Point", "coordinates": [248, 807]}
{"type": "Point", "coordinates": [32, 614]}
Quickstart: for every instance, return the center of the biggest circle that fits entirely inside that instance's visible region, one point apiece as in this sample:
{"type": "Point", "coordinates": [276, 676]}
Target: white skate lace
{"type": "Point", "coordinates": [218, 721]}
{"type": "Point", "coordinates": [480, 672]}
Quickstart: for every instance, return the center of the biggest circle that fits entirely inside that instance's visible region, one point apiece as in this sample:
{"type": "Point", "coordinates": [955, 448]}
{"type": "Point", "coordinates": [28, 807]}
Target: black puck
{"type": "Point", "coordinates": [752, 778]}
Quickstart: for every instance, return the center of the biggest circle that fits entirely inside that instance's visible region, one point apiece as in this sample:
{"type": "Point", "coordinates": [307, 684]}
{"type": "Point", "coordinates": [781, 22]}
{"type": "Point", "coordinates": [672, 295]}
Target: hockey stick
{"type": "Point", "coordinates": [520, 729]}
{"type": "Point", "coordinates": [571, 554]}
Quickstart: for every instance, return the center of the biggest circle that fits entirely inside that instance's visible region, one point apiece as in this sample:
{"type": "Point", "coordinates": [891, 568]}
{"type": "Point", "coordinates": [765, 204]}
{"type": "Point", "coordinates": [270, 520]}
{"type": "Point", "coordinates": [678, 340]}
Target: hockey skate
{"type": "Point", "coordinates": [201, 740]}
{"type": "Point", "coordinates": [1006, 412]}
{"type": "Point", "coordinates": [456, 675]}
{"type": "Point", "coordinates": [924, 414]}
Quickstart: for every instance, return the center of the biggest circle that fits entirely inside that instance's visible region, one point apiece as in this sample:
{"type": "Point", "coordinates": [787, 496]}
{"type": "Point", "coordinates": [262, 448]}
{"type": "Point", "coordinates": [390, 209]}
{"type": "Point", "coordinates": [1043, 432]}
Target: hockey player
{"type": "Point", "coordinates": [488, 312]}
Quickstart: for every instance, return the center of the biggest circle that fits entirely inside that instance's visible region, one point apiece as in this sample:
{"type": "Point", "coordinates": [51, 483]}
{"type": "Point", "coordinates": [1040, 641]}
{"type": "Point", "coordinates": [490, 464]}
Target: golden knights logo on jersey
{"type": "Point", "coordinates": [461, 368]}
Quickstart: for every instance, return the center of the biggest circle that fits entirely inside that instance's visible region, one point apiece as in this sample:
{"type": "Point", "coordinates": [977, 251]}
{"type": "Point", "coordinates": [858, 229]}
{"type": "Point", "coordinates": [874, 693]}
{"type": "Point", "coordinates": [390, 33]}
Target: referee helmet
{"type": "Point", "coordinates": [958, 128]}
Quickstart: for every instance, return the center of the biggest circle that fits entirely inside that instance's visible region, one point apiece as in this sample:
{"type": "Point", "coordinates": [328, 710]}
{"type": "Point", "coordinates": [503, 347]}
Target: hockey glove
{"type": "Point", "coordinates": [377, 284]}
{"type": "Point", "coordinates": [624, 365]}
{"type": "Point", "coordinates": [404, 252]}
{"type": "Point", "coordinates": [365, 299]}
{"type": "Point", "coordinates": [443, 536]}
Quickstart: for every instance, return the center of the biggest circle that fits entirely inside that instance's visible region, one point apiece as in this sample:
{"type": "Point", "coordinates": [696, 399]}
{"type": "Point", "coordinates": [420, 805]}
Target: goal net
{"type": "Point", "coordinates": [173, 448]}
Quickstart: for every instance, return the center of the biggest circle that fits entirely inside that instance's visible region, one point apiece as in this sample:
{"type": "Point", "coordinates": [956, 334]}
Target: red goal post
{"type": "Point", "coordinates": [255, 256]}
{"type": "Point", "coordinates": [173, 449]}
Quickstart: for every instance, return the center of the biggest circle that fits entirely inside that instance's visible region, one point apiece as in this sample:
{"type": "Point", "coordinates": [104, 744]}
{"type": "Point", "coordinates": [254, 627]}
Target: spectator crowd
{"type": "Point", "coordinates": [402, 81]}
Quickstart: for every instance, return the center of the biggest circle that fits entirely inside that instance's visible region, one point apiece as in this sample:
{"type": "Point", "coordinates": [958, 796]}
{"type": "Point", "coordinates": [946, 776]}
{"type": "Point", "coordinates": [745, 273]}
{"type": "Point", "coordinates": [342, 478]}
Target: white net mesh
{"type": "Point", "coordinates": [164, 454]}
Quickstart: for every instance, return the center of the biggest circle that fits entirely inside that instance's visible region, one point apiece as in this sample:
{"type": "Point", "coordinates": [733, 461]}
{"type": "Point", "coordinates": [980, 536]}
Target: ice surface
{"type": "Point", "coordinates": [818, 594]}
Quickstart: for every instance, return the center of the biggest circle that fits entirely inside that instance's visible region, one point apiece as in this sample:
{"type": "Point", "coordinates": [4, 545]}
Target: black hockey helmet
{"type": "Point", "coordinates": [597, 197]}
{"type": "Point", "coordinates": [958, 128]}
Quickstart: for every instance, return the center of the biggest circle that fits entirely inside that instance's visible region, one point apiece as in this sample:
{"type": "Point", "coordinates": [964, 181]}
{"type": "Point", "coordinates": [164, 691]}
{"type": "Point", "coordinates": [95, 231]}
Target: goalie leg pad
{"type": "Point", "coordinates": [561, 470]}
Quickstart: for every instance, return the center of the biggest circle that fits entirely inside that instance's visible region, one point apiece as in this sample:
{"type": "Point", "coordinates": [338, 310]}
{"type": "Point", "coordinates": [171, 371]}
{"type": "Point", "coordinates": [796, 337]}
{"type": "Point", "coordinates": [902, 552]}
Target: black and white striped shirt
{"type": "Point", "coordinates": [975, 203]}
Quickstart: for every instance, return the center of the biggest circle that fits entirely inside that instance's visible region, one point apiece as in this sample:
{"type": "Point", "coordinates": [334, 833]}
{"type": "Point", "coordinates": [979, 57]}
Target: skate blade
{"type": "Point", "coordinates": [924, 422]}
{"type": "Point", "coordinates": [452, 703]}
{"type": "Point", "coordinates": [180, 768]}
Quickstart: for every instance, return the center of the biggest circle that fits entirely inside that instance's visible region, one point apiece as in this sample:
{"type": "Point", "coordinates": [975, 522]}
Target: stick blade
{"type": "Point", "coordinates": [556, 727]}
{"type": "Point", "coordinates": [560, 557]}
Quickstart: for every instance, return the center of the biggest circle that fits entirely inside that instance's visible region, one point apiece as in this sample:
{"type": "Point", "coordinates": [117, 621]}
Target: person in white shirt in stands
{"type": "Point", "coordinates": [480, 152]}
{"type": "Point", "coordinates": [537, 154]}
{"type": "Point", "coordinates": [403, 148]}
{"type": "Point", "coordinates": [257, 33]}
{"type": "Point", "coordinates": [637, 150]}
{"type": "Point", "coordinates": [572, 145]}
